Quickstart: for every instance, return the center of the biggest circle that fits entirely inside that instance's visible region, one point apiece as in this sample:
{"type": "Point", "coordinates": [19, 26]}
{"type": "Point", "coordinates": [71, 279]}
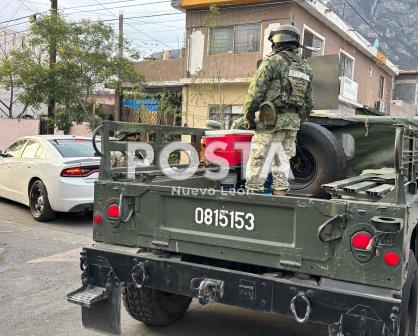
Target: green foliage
{"type": "Point", "coordinates": [170, 104]}
{"type": "Point", "coordinates": [213, 18]}
{"type": "Point", "coordinates": [87, 57]}
{"type": "Point", "coordinates": [62, 120]}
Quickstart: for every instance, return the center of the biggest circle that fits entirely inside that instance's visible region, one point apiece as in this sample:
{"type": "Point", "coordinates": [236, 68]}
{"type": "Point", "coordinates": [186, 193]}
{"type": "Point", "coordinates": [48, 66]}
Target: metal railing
{"type": "Point", "coordinates": [157, 136]}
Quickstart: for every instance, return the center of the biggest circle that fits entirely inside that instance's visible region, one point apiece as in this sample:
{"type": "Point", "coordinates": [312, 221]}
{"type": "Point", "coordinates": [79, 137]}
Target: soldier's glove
{"type": "Point", "coordinates": [250, 125]}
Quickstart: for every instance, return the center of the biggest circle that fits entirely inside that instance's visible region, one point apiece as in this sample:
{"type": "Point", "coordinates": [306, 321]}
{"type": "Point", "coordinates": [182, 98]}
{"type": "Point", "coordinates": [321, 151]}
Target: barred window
{"type": "Point", "coordinates": [225, 114]}
{"type": "Point", "coordinates": [237, 39]}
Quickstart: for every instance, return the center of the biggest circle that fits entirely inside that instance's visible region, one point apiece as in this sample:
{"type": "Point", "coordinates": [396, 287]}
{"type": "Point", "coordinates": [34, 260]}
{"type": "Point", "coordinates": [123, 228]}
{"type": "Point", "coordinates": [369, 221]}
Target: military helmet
{"type": "Point", "coordinates": [285, 34]}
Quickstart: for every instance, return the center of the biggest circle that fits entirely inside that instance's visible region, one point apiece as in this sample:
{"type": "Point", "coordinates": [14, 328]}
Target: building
{"type": "Point", "coordinates": [405, 92]}
{"type": "Point", "coordinates": [224, 46]}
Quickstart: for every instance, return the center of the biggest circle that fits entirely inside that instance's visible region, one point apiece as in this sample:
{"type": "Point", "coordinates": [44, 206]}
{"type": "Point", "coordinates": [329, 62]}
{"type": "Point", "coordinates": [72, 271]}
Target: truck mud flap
{"type": "Point", "coordinates": [100, 305]}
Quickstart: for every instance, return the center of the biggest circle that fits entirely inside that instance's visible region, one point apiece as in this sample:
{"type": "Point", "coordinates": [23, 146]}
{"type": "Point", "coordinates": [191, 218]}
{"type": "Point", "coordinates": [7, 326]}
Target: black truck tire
{"type": "Point", "coordinates": [152, 306]}
{"type": "Point", "coordinates": [319, 159]}
{"type": "Point", "coordinates": [39, 202]}
{"type": "Point", "coordinates": [409, 299]}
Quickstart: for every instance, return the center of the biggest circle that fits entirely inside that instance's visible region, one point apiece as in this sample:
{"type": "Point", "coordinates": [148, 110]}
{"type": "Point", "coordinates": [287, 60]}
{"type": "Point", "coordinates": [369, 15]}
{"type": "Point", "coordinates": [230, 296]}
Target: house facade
{"type": "Point", "coordinates": [405, 92]}
{"type": "Point", "coordinates": [224, 46]}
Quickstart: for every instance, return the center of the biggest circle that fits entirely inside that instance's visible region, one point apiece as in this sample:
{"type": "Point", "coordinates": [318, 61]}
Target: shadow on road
{"type": "Point", "coordinates": [215, 320]}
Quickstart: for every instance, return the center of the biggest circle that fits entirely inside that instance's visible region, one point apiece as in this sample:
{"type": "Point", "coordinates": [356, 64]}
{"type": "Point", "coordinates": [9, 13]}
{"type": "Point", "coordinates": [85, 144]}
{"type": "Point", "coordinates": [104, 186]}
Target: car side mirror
{"type": "Point", "coordinates": [1, 153]}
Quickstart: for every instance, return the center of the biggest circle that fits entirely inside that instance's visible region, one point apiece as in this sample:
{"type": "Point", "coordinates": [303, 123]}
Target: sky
{"type": "Point", "coordinates": [146, 23]}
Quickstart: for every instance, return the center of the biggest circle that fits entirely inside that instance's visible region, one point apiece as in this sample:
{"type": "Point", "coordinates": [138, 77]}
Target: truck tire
{"type": "Point", "coordinates": [409, 299]}
{"type": "Point", "coordinates": [152, 306]}
{"type": "Point", "coordinates": [39, 202]}
{"type": "Point", "coordinates": [319, 159]}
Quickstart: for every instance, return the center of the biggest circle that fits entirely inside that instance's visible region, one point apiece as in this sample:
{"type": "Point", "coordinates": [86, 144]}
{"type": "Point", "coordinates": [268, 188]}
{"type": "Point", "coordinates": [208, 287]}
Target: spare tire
{"type": "Point", "coordinates": [319, 159]}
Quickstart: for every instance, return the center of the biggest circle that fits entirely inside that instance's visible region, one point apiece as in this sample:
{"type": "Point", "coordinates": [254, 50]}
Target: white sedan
{"type": "Point", "coordinates": [50, 173]}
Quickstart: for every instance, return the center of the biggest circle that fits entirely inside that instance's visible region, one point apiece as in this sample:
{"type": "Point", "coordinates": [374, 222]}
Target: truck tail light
{"type": "Point", "coordinates": [362, 241]}
{"type": "Point", "coordinates": [113, 211]}
{"type": "Point", "coordinates": [79, 171]}
{"type": "Point", "coordinates": [97, 219]}
{"type": "Point", "coordinates": [391, 258]}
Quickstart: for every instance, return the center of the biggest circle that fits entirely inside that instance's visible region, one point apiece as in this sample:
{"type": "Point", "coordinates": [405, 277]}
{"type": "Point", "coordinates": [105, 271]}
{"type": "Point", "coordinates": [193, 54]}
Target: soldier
{"type": "Point", "coordinates": [281, 92]}
{"type": "Point", "coordinates": [118, 159]}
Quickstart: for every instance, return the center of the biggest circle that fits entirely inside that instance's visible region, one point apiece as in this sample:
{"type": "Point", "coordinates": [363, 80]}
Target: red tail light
{"type": "Point", "coordinates": [362, 241]}
{"type": "Point", "coordinates": [97, 219]}
{"type": "Point", "coordinates": [391, 259]}
{"type": "Point", "coordinates": [79, 171]}
{"type": "Point", "coordinates": [113, 211]}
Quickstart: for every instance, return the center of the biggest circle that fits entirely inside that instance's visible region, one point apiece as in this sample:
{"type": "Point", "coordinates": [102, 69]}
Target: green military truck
{"type": "Point", "coordinates": [339, 250]}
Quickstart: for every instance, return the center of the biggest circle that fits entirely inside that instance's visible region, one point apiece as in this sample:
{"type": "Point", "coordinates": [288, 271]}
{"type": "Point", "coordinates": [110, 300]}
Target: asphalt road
{"type": "Point", "coordinates": [39, 265]}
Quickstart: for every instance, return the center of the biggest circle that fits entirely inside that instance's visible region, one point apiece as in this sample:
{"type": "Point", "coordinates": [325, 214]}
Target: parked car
{"type": "Point", "coordinates": [50, 173]}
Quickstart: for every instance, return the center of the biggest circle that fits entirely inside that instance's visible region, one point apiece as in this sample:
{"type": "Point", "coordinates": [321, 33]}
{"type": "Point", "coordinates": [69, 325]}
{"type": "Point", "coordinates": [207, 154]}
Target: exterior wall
{"type": "Point", "coordinates": [77, 129]}
{"type": "Point", "coordinates": [157, 71]}
{"type": "Point", "coordinates": [12, 129]}
{"type": "Point", "coordinates": [197, 98]}
{"type": "Point", "coordinates": [406, 88]}
{"type": "Point", "coordinates": [232, 66]}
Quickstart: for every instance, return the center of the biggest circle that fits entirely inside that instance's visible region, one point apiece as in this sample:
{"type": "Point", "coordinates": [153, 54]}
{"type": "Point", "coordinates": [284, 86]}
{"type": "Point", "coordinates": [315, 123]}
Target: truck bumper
{"type": "Point", "coordinates": [347, 309]}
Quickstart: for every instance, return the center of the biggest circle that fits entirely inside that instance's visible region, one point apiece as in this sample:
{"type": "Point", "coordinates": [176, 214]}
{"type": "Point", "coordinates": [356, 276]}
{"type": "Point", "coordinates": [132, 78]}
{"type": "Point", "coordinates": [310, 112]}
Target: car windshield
{"type": "Point", "coordinates": [75, 147]}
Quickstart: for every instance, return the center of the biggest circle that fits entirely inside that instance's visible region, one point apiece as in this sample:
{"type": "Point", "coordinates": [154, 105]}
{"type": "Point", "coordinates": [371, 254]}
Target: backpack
{"type": "Point", "coordinates": [295, 82]}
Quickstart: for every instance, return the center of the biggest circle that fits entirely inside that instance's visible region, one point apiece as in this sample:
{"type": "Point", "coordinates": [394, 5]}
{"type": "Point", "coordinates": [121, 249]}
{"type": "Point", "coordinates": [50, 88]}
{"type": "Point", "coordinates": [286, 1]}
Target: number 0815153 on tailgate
{"type": "Point", "coordinates": [224, 218]}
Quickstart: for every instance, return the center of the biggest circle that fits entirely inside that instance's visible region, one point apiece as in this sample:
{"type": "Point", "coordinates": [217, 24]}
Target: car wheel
{"type": "Point", "coordinates": [39, 202]}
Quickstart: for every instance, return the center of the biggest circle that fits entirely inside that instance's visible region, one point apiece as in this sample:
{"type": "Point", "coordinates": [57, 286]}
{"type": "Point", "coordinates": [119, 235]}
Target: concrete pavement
{"type": "Point", "coordinates": [39, 265]}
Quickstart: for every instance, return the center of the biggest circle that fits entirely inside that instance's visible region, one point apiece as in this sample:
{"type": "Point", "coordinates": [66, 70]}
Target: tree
{"type": "Point", "coordinates": [87, 58]}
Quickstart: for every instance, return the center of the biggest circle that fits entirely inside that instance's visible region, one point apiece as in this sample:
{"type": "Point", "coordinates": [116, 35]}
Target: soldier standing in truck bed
{"type": "Point", "coordinates": [281, 91]}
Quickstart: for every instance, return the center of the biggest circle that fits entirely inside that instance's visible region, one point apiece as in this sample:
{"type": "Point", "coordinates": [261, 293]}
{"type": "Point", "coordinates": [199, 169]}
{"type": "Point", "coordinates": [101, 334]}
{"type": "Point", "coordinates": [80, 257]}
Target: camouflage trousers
{"type": "Point", "coordinates": [283, 144]}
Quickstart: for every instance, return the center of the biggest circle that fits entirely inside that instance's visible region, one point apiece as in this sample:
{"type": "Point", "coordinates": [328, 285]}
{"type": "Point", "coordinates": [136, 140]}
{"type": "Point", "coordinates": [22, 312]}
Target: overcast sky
{"type": "Point", "coordinates": [149, 34]}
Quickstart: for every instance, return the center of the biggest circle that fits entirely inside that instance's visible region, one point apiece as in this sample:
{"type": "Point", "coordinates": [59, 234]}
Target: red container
{"type": "Point", "coordinates": [230, 137]}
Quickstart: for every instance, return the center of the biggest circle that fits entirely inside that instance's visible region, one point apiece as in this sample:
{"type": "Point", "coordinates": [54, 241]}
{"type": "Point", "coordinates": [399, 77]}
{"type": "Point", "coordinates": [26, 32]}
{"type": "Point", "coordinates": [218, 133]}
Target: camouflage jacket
{"type": "Point", "coordinates": [266, 85]}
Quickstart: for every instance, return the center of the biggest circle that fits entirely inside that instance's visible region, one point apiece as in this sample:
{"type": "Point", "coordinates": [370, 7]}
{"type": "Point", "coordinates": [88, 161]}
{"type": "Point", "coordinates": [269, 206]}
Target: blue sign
{"type": "Point", "coordinates": [150, 105]}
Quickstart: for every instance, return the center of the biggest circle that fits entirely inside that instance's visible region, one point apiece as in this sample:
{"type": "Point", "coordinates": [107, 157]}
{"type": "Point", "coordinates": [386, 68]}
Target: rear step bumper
{"type": "Point", "coordinates": [347, 309]}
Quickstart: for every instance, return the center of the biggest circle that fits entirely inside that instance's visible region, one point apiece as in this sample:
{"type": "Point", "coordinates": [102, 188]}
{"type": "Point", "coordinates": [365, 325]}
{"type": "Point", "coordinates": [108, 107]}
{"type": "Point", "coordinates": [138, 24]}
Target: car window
{"type": "Point", "coordinates": [30, 150]}
{"type": "Point", "coordinates": [74, 147]}
{"type": "Point", "coordinates": [15, 150]}
{"type": "Point", "coordinates": [41, 153]}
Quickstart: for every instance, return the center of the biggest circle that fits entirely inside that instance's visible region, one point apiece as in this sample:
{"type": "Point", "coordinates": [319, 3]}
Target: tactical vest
{"type": "Point", "coordinates": [295, 82]}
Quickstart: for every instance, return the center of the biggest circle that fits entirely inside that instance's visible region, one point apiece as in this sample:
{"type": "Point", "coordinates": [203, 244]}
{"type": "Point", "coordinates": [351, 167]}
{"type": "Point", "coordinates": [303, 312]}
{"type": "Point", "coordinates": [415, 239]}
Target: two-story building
{"type": "Point", "coordinates": [224, 46]}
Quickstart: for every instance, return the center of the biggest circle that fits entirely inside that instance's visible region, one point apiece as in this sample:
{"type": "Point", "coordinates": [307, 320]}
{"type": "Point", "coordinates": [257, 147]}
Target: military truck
{"type": "Point", "coordinates": [342, 255]}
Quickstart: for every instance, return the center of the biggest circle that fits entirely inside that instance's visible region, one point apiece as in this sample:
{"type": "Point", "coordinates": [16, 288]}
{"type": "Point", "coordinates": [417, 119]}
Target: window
{"type": "Point", "coordinates": [381, 87]}
{"type": "Point", "coordinates": [314, 40]}
{"type": "Point", "coordinates": [30, 150]}
{"type": "Point", "coordinates": [15, 150]}
{"type": "Point", "coordinates": [346, 65]}
{"type": "Point", "coordinates": [225, 114]}
{"type": "Point", "coordinates": [74, 147]}
{"type": "Point", "coordinates": [237, 39]}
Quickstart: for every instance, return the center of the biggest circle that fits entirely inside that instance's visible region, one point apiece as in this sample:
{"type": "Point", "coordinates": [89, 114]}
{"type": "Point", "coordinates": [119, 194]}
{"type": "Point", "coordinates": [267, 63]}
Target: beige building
{"type": "Point", "coordinates": [223, 49]}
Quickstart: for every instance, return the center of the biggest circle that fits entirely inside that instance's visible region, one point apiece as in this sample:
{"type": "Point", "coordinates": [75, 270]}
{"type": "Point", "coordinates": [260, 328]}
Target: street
{"type": "Point", "coordinates": [39, 265]}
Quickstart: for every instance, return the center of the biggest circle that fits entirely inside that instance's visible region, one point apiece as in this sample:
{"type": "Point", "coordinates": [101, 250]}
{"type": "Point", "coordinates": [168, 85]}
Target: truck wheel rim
{"type": "Point", "coordinates": [37, 200]}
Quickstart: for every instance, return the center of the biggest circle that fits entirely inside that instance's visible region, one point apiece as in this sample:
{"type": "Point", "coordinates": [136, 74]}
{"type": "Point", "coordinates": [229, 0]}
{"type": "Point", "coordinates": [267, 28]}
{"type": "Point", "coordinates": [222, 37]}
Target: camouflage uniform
{"type": "Point", "coordinates": [117, 159]}
{"type": "Point", "coordinates": [271, 83]}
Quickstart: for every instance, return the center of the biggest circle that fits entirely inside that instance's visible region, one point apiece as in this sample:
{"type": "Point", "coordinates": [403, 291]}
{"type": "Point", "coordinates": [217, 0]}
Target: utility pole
{"type": "Point", "coordinates": [52, 61]}
{"type": "Point", "coordinates": [119, 85]}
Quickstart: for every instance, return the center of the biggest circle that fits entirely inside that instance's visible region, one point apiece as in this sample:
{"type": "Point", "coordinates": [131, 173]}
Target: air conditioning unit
{"type": "Point", "coordinates": [380, 106]}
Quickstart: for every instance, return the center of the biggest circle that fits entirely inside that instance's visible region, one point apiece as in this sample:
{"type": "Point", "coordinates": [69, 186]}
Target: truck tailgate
{"type": "Point", "coordinates": [258, 229]}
